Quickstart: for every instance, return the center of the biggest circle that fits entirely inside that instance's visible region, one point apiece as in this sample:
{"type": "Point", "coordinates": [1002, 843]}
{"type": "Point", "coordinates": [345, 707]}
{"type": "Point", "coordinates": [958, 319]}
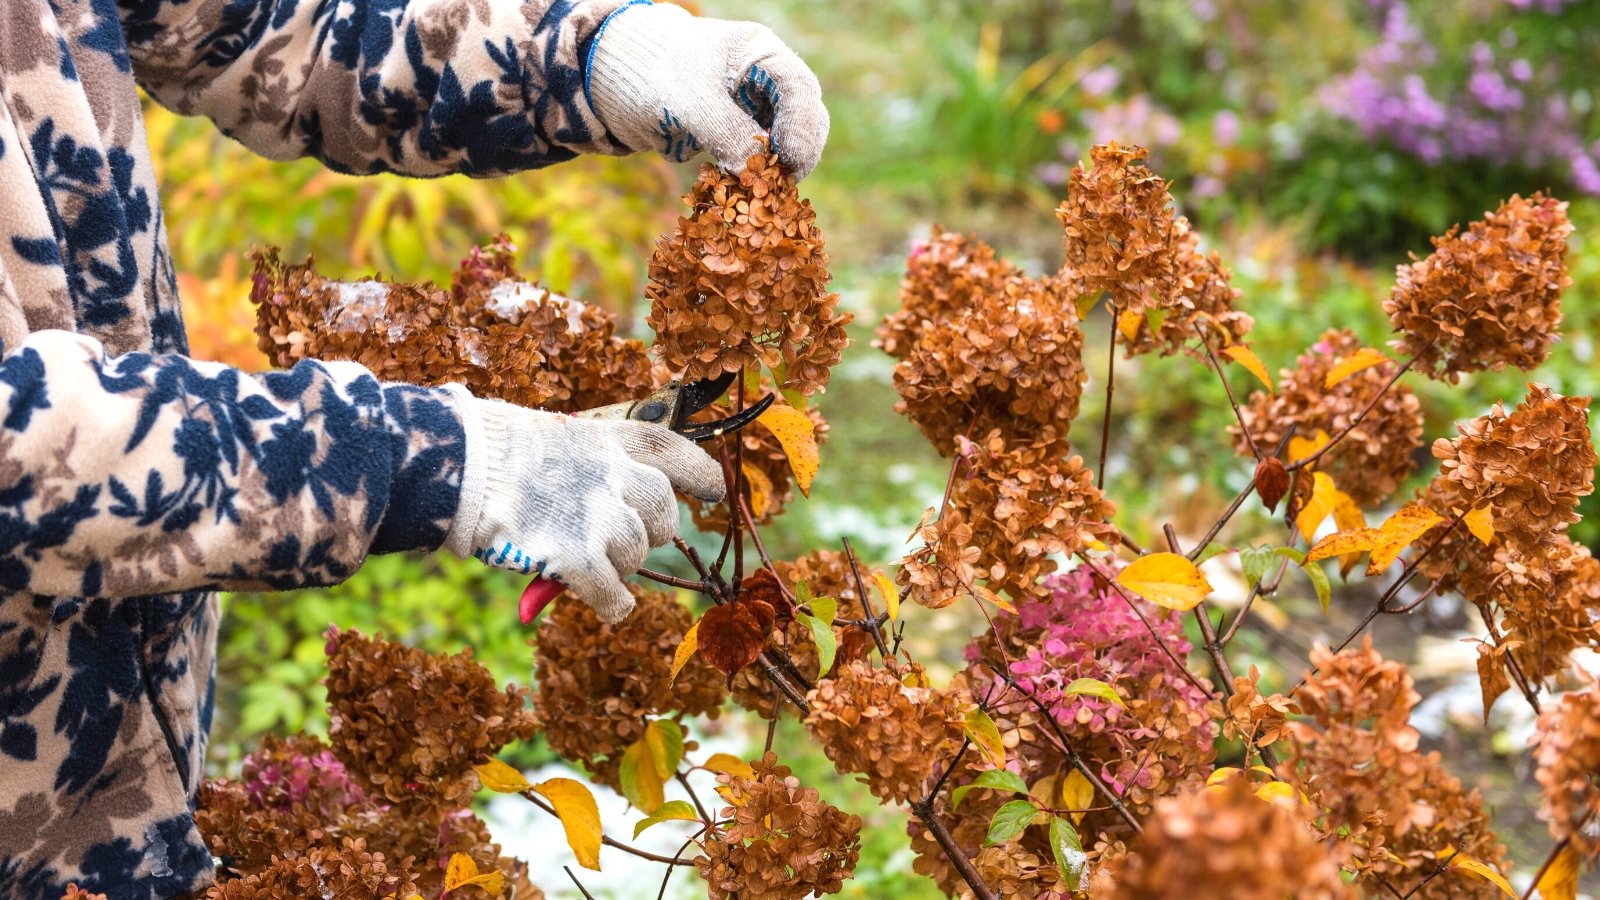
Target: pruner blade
{"type": "Point", "coordinates": [671, 406]}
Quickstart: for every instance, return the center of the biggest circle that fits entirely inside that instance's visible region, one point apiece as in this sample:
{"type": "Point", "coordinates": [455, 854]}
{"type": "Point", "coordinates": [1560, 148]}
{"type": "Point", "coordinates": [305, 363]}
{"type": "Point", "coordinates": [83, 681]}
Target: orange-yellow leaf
{"type": "Point", "coordinates": [1076, 794]}
{"type": "Point", "coordinates": [1302, 447]}
{"type": "Point", "coordinates": [796, 432]}
{"type": "Point", "coordinates": [1086, 305]}
{"type": "Point", "coordinates": [580, 817]}
{"type": "Point", "coordinates": [1128, 323]}
{"type": "Point", "coordinates": [1481, 523]}
{"type": "Point", "coordinates": [996, 599]}
{"type": "Point", "coordinates": [1365, 358]}
{"type": "Point", "coordinates": [986, 736]}
{"type": "Point", "coordinates": [641, 780]}
{"type": "Point", "coordinates": [1347, 516]}
{"type": "Point", "coordinates": [1342, 542]}
{"type": "Point", "coordinates": [1167, 580]}
{"type": "Point", "coordinates": [497, 776]}
{"type": "Point", "coordinates": [1398, 531]}
{"type": "Point", "coordinates": [888, 593]}
{"type": "Point", "coordinates": [1324, 496]}
{"type": "Point", "coordinates": [1482, 870]}
{"type": "Point", "coordinates": [1560, 880]}
{"type": "Point", "coordinates": [686, 649]}
{"type": "Point", "coordinates": [760, 489]}
{"type": "Point", "coordinates": [1279, 792]}
{"type": "Point", "coordinates": [462, 871]}
{"type": "Point", "coordinates": [1246, 357]}
{"type": "Point", "coordinates": [729, 764]}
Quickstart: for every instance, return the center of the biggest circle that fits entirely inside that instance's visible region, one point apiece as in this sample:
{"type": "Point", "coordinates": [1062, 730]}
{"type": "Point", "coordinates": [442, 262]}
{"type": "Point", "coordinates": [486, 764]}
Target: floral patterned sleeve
{"type": "Point", "coordinates": [145, 474]}
{"type": "Point", "coordinates": [421, 87]}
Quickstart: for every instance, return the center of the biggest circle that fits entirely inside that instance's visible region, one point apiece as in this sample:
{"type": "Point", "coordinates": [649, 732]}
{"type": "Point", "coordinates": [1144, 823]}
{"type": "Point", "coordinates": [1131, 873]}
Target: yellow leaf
{"type": "Point", "coordinates": [1246, 357]}
{"type": "Point", "coordinates": [1398, 531]}
{"type": "Point", "coordinates": [1077, 794]}
{"type": "Point", "coordinates": [760, 489]}
{"type": "Point", "coordinates": [497, 776]}
{"type": "Point", "coordinates": [729, 764]}
{"type": "Point", "coordinates": [642, 782]}
{"type": "Point", "coordinates": [1046, 792]}
{"type": "Point", "coordinates": [686, 648]}
{"type": "Point", "coordinates": [796, 432]}
{"type": "Point", "coordinates": [1167, 580]}
{"type": "Point", "coordinates": [1365, 358]}
{"type": "Point", "coordinates": [1481, 523]}
{"type": "Point", "coordinates": [1347, 516]}
{"type": "Point", "coordinates": [1560, 880]}
{"type": "Point", "coordinates": [1324, 496]}
{"type": "Point", "coordinates": [1086, 305]}
{"type": "Point", "coordinates": [1342, 542]}
{"type": "Point", "coordinates": [986, 735]}
{"type": "Point", "coordinates": [1300, 447]}
{"type": "Point", "coordinates": [1222, 774]}
{"type": "Point", "coordinates": [888, 593]}
{"type": "Point", "coordinates": [1482, 870]}
{"type": "Point", "coordinates": [1128, 323]}
{"type": "Point", "coordinates": [1280, 793]}
{"type": "Point", "coordinates": [462, 871]}
{"type": "Point", "coordinates": [579, 816]}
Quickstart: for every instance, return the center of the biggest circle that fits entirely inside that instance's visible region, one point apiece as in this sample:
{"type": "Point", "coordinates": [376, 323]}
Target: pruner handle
{"type": "Point", "coordinates": [536, 596]}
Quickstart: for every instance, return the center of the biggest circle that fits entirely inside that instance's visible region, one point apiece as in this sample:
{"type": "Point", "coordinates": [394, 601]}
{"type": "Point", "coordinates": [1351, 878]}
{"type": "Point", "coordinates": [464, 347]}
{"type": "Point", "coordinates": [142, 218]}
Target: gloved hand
{"type": "Point", "coordinates": [664, 80]}
{"type": "Point", "coordinates": [578, 500]}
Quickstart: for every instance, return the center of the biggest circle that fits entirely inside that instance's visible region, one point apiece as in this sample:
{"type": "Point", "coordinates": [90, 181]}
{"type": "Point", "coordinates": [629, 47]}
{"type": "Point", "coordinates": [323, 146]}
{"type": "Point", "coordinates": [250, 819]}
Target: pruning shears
{"type": "Point", "coordinates": [669, 407]}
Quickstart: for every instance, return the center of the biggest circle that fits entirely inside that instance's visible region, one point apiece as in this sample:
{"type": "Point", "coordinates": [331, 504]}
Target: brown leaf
{"type": "Point", "coordinates": [855, 646]}
{"type": "Point", "coordinates": [1272, 481]}
{"type": "Point", "coordinates": [1491, 677]}
{"type": "Point", "coordinates": [762, 585]}
{"type": "Point", "coordinates": [731, 636]}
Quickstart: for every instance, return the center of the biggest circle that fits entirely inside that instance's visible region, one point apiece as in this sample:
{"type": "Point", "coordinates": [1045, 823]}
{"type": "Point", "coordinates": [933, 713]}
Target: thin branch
{"type": "Point", "coordinates": [671, 580]}
{"type": "Point", "coordinates": [1262, 589]}
{"type": "Point", "coordinates": [923, 810]}
{"type": "Point", "coordinates": [1237, 414]}
{"type": "Point", "coordinates": [933, 793]}
{"type": "Point", "coordinates": [1238, 501]}
{"type": "Point", "coordinates": [609, 841]}
{"type": "Point", "coordinates": [1111, 389]}
{"type": "Point", "coordinates": [581, 889]}
{"type": "Point", "coordinates": [1345, 431]}
{"type": "Point", "coordinates": [866, 602]}
{"type": "Point", "coordinates": [699, 807]}
{"type": "Point", "coordinates": [1438, 870]}
{"type": "Point", "coordinates": [668, 876]}
{"type": "Point", "coordinates": [1071, 754]}
{"type": "Point", "coordinates": [1555, 851]}
{"type": "Point", "coordinates": [1161, 642]}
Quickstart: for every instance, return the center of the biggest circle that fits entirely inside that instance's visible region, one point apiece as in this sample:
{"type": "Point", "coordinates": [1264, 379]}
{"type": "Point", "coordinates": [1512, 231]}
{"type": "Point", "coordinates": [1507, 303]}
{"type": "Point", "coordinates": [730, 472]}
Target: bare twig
{"type": "Point", "coordinates": [1111, 389]}
{"type": "Point", "coordinates": [1555, 852]}
{"type": "Point", "coordinates": [923, 810]}
{"type": "Point", "coordinates": [668, 876]}
{"type": "Point", "coordinates": [581, 889]}
{"type": "Point", "coordinates": [1237, 414]}
{"type": "Point", "coordinates": [699, 807]}
{"type": "Point", "coordinates": [1439, 869]}
{"type": "Point", "coordinates": [671, 580]}
{"type": "Point", "coordinates": [866, 602]}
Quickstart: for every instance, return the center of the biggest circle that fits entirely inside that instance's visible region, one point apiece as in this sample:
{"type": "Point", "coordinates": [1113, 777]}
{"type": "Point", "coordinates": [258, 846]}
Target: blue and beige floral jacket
{"type": "Point", "coordinates": [135, 482]}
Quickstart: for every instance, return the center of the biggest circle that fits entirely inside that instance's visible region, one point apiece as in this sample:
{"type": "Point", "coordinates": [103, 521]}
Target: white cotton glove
{"type": "Point", "coordinates": [664, 80]}
{"type": "Point", "coordinates": [578, 500]}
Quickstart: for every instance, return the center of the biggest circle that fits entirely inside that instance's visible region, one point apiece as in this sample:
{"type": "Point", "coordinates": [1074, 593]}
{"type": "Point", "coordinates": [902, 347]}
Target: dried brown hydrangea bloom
{"type": "Point", "coordinates": [1531, 466]}
{"type": "Point", "coordinates": [1488, 297]}
{"type": "Point", "coordinates": [827, 573]}
{"type": "Point", "coordinates": [493, 332]}
{"type": "Point", "coordinates": [77, 893]}
{"type": "Point", "coordinates": [598, 684]}
{"type": "Point", "coordinates": [1122, 235]}
{"type": "Point", "coordinates": [1202, 301]}
{"type": "Point", "coordinates": [1025, 503]}
{"type": "Point", "coordinates": [1013, 361]}
{"type": "Point", "coordinates": [764, 455]}
{"type": "Point", "coordinates": [410, 724]}
{"type": "Point", "coordinates": [782, 843]}
{"type": "Point", "coordinates": [1252, 717]}
{"type": "Point", "coordinates": [1223, 842]}
{"type": "Point", "coordinates": [870, 722]}
{"type": "Point", "coordinates": [944, 569]}
{"type": "Point", "coordinates": [743, 281]}
{"type": "Point", "coordinates": [1567, 756]}
{"type": "Point", "coordinates": [945, 278]}
{"type": "Point", "coordinates": [1547, 625]}
{"type": "Point", "coordinates": [349, 870]}
{"type": "Point", "coordinates": [1371, 461]}
{"type": "Point", "coordinates": [1392, 809]}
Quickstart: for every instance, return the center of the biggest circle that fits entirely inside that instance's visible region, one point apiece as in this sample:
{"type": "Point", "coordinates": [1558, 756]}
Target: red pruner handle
{"type": "Point", "coordinates": [536, 596]}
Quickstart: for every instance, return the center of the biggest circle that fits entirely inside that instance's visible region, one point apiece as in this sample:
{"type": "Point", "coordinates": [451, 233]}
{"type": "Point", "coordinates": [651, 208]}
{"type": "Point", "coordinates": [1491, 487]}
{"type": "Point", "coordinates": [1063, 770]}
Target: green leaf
{"type": "Point", "coordinates": [664, 738]}
{"type": "Point", "coordinates": [986, 735]}
{"type": "Point", "coordinates": [1155, 317]}
{"type": "Point", "coordinates": [641, 783]}
{"type": "Point", "coordinates": [1319, 580]}
{"type": "Point", "coordinates": [1298, 557]}
{"type": "Point", "coordinates": [992, 779]}
{"type": "Point", "coordinates": [1009, 821]}
{"type": "Point", "coordinates": [1212, 551]}
{"type": "Point", "coordinates": [802, 593]}
{"type": "Point", "coordinates": [1068, 850]}
{"type": "Point", "coordinates": [672, 810]}
{"type": "Point", "coordinates": [821, 625]}
{"type": "Point", "coordinates": [1254, 562]}
{"type": "Point", "coordinates": [1092, 687]}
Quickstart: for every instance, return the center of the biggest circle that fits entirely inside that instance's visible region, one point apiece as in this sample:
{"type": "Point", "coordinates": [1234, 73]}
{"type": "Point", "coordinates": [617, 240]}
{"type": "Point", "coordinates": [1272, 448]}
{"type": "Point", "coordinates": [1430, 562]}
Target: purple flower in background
{"type": "Point", "coordinates": [1100, 81]}
{"type": "Point", "coordinates": [1225, 128]}
{"type": "Point", "coordinates": [1499, 111]}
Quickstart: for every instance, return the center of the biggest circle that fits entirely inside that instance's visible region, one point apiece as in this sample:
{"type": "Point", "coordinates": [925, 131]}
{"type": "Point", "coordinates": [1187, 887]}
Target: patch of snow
{"type": "Point", "coordinates": [359, 306]}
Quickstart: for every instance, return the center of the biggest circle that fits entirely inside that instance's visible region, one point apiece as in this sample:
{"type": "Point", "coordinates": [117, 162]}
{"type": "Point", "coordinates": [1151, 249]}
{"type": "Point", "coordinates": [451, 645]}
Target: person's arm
{"type": "Point", "coordinates": [145, 474]}
{"type": "Point", "coordinates": [484, 87]}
